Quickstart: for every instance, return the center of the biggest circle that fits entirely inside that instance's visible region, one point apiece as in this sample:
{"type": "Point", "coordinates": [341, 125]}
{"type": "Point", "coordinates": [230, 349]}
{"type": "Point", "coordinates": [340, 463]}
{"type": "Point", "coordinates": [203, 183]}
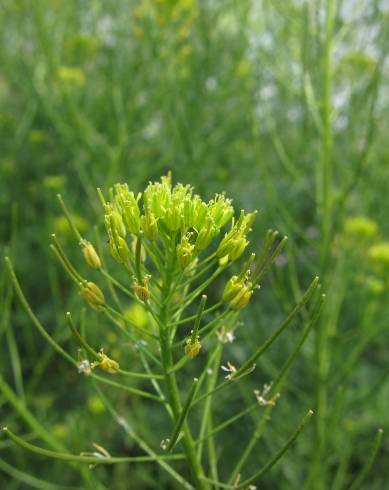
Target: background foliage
{"type": "Point", "coordinates": [280, 104]}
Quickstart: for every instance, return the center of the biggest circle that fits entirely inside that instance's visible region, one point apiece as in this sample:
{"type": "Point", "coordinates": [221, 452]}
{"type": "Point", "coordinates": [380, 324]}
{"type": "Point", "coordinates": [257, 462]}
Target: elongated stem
{"type": "Point", "coordinates": [369, 462]}
{"type": "Point", "coordinates": [31, 315]}
{"type": "Point", "coordinates": [280, 247]}
{"type": "Point", "coordinates": [207, 421]}
{"type": "Point", "coordinates": [128, 429]}
{"type": "Point", "coordinates": [182, 417]}
{"type": "Point", "coordinates": [198, 318]}
{"type": "Point", "coordinates": [79, 339]}
{"type": "Point", "coordinates": [260, 426]}
{"type": "Point", "coordinates": [69, 217]}
{"type": "Point", "coordinates": [257, 476]}
{"type": "Point", "coordinates": [85, 459]}
{"type": "Point", "coordinates": [327, 141]}
{"type": "Point", "coordinates": [65, 259]}
{"type": "Point", "coordinates": [227, 422]}
{"type": "Point", "coordinates": [252, 359]}
{"type": "Point", "coordinates": [193, 317]}
{"type": "Point", "coordinates": [170, 378]}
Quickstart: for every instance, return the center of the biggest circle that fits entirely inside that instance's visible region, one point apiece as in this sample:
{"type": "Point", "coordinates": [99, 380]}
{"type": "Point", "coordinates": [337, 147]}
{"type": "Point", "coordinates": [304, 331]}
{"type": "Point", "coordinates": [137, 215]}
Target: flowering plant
{"type": "Point", "coordinates": [171, 246]}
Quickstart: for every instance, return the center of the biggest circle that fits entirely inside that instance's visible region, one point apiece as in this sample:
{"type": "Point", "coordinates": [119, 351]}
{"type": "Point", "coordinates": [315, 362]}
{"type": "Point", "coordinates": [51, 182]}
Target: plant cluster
{"type": "Point", "coordinates": [171, 246]}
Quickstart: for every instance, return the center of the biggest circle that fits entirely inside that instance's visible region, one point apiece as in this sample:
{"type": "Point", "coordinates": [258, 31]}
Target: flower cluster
{"type": "Point", "coordinates": [176, 217]}
{"type": "Point", "coordinates": [167, 238]}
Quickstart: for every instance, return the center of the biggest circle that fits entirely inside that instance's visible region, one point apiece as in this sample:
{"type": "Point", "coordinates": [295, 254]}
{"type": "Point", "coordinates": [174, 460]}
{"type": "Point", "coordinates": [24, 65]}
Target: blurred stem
{"type": "Point", "coordinates": [327, 138]}
{"type": "Point", "coordinates": [317, 477]}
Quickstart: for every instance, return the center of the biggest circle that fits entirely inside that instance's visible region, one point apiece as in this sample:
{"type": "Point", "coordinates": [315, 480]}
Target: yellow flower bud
{"type": "Point", "coordinates": [241, 299]}
{"type": "Point", "coordinates": [192, 349]}
{"type": "Point", "coordinates": [93, 295]}
{"type": "Point", "coordinates": [185, 251]}
{"type": "Point", "coordinates": [206, 233]}
{"type": "Point", "coordinates": [237, 292]}
{"type": "Point", "coordinates": [90, 255]}
{"type": "Point", "coordinates": [118, 248]}
{"type": "Point", "coordinates": [149, 226]}
{"type": "Point", "coordinates": [232, 288]}
{"type": "Point", "coordinates": [142, 290]}
{"type": "Point", "coordinates": [108, 365]}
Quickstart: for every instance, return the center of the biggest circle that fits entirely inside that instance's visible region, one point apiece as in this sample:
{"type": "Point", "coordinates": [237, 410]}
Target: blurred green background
{"type": "Point", "coordinates": [284, 106]}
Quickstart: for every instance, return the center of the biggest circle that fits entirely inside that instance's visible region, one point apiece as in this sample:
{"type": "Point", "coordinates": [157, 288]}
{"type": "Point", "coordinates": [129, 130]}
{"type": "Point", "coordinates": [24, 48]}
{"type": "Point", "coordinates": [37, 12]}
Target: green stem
{"type": "Point", "coordinates": [85, 459]}
{"type": "Point", "coordinates": [257, 476]}
{"type": "Point", "coordinates": [184, 412]}
{"type": "Point", "coordinates": [369, 463]}
{"type": "Point", "coordinates": [171, 382]}
{"type": "Point", "coordinates": [327, 142]}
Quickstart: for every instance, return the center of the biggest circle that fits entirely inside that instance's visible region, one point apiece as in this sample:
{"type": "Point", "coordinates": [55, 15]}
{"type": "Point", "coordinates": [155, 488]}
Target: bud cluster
{"type": "Point", "coordinates": [175, 211]}
{"type": "Point", "coordinates": [237, 292]}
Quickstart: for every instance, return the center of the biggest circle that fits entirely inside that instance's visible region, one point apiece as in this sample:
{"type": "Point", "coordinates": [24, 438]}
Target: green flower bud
{"type": "Point", "coordinates": [157, 197]}
{"type": "Point", "coordinates": [113, 222]}
{"type": "Point", "coordinates": [200, 212]}
{"type": "Point", "coordinates": [188, 212]}
{"type": "Point", "coordinates": [237, 247]}
{"type": "Point", "coordinates": [232, 288]}
{"type": "Point", "coordinates": [232, 245]}
{"type": "Point", "coordinates": [90, 255]}
{"type": "Point", "coordinates": [221, 210]}
{"type": "Point", "coordinates": [185, 251]}
{"type": "Point", "coordinates": [245, 221]}
{"type": "Point", "coordinates": [127, 205]}
{"type": "Point", "coordinates": [206, 234]}
{"type": "Point", "coordinates": [174, 215]}
{"type": "Point", "coordinates": [118, 248]}
{"type": "Point", "coordinates": [149, 226]}
{"type": "Point", "coordinates": [93, 295]}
